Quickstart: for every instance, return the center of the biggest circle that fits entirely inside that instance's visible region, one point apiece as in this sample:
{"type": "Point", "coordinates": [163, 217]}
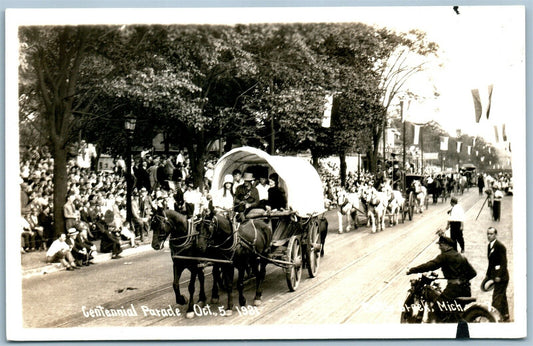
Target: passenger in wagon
{"type": "Point", "coordinates": [246, 196]}
{"type": "Point", "coordinates": [277, 198]}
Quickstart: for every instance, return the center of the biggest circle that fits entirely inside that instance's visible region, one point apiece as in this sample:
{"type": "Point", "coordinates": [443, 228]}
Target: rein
{"type": "Point", "coordinates": [188, 238]}
{"type": "Point", "coordinates": [232, 247]}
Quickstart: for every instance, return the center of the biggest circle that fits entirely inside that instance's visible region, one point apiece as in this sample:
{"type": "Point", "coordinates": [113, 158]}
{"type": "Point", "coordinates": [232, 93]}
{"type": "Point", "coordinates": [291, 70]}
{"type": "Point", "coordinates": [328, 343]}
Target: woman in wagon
{"type": "Point", "coordinates": [223, 198]}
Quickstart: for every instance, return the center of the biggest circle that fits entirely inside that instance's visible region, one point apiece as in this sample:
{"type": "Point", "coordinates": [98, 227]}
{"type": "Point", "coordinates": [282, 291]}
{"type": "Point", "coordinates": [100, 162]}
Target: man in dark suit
{"type": "Point", "coordinates": [497, 271]}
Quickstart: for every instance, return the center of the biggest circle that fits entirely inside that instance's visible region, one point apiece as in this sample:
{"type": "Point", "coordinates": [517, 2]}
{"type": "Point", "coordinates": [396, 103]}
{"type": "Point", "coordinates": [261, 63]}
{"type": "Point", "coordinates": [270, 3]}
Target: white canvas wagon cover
{"type": "Point", "coordinates": [298, 177]}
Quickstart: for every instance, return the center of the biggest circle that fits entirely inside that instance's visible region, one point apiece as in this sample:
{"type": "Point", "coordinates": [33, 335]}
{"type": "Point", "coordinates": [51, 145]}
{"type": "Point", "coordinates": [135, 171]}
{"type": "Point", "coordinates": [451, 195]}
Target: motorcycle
{"type": "Point", "coordinates": [422, 305]}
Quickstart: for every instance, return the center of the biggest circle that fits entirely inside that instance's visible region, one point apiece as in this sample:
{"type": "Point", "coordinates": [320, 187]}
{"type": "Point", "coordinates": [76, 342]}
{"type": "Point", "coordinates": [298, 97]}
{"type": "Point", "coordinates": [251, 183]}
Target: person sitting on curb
{"type": "Point", "coordinates": [78, 252]}
{"type": "Point", "coordinates": [82, 241]}
{"type": "Point", "coordinates": [59, 251]}
{"type": "Point", "coordinates": [110, 236]}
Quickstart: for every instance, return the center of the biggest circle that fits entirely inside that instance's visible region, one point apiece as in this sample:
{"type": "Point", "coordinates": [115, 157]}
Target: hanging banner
{"type": "Point", "coordinates": [477, 153]}
{"type": "Point", "coordinates": [444, 143]}
{"type": "Point", "coordinates": [474, 142]}
{"type": "Point", "coordinates": [326, 118]}
{"type": "Point", "coordinates": [504, 135]}
{"type": "Point", "coordinates": [469, 148]}
{"type": "Point", "coordinates": [459, 146]}
{"type": "Point", "coordinates": [477, 104]}
{"type": "Point", "coordinates": [489, 150]}
{"type": "Point", "coordinates": [417, 134]}
{"type": "Point", "coordinates": [490, 97]}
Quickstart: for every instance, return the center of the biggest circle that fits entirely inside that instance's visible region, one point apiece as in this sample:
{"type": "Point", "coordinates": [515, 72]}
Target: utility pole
{"type": "Point", "coordinates": [403, 144]}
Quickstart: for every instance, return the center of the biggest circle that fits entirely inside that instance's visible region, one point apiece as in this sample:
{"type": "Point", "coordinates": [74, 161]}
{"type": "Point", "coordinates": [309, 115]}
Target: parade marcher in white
{"type": "Point", "coordinates": [456, 224]}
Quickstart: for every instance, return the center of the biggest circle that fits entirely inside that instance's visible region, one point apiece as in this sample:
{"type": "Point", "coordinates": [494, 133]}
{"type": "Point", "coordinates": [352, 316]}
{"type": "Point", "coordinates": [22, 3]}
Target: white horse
{"type": "Point", "coordinates": [421, 193]}
{"type": "Point", "coordinates": [395, 206]}
{"type": "Point", "coordinates": [349, 203]}
{"type": "Point", "coordinates": [376, 203]}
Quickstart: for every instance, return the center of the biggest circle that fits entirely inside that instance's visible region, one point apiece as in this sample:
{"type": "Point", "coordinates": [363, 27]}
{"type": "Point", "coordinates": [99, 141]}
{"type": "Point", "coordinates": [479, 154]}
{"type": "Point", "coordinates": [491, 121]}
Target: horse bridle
{"type": "Point", "coordinates": [214, 224]}
{"type": "Point", "coordinates": [188, 238]}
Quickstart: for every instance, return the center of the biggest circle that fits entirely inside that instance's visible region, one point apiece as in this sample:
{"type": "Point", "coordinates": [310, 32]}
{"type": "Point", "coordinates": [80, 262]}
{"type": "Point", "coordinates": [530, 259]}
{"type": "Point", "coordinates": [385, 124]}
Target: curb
{"type": "Point", "coordinates": [100, 258]}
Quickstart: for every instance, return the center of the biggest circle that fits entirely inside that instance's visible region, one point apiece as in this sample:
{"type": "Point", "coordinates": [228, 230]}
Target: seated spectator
{"type": "Point", "coordinates": [46, 221]}
{"type": "Point", "coordinates": [110, 236]}
{"type": "Point", "coordinates": [37, 229]}
{"type": "Point", "coordinates": [59, 251]}
{"type": "Point", "coordinates": [78, 252]}
{"type": "Point", "coordinates": [83, 242]}
{"type": "Point", "coordinates": [27, 236]}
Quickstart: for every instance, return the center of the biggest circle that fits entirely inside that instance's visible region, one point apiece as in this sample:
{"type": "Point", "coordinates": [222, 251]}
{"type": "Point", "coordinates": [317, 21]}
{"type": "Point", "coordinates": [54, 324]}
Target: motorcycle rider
{"type": "Point", "coordinates": [455, 268]}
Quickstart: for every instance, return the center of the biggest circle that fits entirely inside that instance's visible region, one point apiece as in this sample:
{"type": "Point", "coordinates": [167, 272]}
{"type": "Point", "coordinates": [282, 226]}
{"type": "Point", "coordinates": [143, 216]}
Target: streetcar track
{"type": "Point", "coordinates": [264, 314]}
{"type": "Point", "coordinates": [78, 320]}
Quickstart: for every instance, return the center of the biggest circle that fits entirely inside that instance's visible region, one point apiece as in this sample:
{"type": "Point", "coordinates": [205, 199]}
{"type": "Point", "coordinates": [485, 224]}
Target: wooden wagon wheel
{"type": "Point", "coordinates": [411, 205]}
{"type": "Point", "coordinates": [313, 248]}
{"type": "Point", "coordinates": [293, 273]}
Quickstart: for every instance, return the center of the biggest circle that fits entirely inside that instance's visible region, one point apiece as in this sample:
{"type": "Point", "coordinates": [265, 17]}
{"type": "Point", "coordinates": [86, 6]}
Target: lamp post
{"type": "Point", "coordinates": [129, 126]}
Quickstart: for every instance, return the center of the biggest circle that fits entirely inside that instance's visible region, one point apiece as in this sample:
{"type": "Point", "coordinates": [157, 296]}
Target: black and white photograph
{"type": "Point", "coordinates": [266, 173]}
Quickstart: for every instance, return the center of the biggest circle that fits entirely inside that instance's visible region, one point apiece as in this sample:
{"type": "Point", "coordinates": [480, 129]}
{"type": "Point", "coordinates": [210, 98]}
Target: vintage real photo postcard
{"type": "Point", "coordinates": [266, 173]}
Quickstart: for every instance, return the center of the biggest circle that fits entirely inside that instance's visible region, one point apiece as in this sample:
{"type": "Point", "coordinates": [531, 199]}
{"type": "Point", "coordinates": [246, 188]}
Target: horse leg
{"type": "Point", "coordinates": [178, 269]}
{"type": "Point", "coordinates": [192, 282]}
{"type": "Point", "coordinates": [216, 283]}
{"type": "Point", "coordinates": [372, 221]}
{"type": "Point", "coordinates": [228, 272]}
{"type": "Point", "coordinates": [339, 216]}
{"type": "Point", "coordinates": [260, 277]}
{"type": "Point", "coordinates": [201, 279]}
{"type": "Point", "coordinates": [240, 283]}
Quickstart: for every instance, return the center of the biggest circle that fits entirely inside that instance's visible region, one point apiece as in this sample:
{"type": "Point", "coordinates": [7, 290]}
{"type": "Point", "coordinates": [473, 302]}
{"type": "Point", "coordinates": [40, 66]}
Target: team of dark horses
{"type": "Point", "coordinates": [215, 239]}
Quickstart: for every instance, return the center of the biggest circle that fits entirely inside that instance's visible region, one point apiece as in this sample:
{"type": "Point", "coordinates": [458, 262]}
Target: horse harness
{"type": "Point", "coordinates": [191, 234]}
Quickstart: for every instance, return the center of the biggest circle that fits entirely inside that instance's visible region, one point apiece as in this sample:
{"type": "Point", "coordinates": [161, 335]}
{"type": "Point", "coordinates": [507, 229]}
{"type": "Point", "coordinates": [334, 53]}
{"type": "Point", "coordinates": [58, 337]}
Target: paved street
{"type": "Point", "coordinates": [361, 279]}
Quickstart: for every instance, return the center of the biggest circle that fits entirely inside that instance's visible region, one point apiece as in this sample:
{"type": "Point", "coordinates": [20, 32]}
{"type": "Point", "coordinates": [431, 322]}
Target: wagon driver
{"type": "Point", "coordinates": [246, 196]}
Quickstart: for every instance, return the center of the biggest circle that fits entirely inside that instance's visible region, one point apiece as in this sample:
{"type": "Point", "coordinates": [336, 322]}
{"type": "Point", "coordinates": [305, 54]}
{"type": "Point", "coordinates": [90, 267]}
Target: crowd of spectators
{"type": "Point", "coordinates": [95, 207]}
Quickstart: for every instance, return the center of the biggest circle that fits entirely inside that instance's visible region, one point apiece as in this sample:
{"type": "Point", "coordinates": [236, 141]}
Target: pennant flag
{"type": "Point", "coordinates": [469, 149]}
{"type": "Point", "coordinates": [490, 97]}
{"type": "Point", "coordinates": [504, 135]}
{"type": "Point", "coordinates": [326, 118]}
{"type": "Point", "coordinates": [417, 134]}
{"type": "Point", "coordinates": [444, 143]}
{"type": "Point", "coordinates": [477, 104]}
{"type": "Point", "coordinates": [459, 146]}
{"type": "Point", "coordinates": [496, 133]}
{"type": "Point", "coordinates": [474, 142]}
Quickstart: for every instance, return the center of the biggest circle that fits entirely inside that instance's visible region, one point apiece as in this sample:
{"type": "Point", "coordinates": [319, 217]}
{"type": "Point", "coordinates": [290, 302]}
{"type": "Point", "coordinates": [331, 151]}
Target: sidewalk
{"type": "Point", "coordinates": [34, 263]}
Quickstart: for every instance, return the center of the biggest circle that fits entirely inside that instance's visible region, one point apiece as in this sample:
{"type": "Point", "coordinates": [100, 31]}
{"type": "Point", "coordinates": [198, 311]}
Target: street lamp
{"type": "Point", "coordinates": [129, 126]}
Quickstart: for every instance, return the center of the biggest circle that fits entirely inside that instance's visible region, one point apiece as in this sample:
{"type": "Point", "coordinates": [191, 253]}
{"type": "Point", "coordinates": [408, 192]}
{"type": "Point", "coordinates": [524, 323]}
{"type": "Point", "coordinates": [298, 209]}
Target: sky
{"type": "Point", "coordinates": [481, 46]}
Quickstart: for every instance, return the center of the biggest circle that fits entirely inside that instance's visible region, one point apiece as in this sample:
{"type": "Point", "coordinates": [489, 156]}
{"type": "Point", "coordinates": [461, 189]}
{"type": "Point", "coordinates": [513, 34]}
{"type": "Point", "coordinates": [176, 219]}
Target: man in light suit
{"type": "Point", "coordinates": [497, 271]}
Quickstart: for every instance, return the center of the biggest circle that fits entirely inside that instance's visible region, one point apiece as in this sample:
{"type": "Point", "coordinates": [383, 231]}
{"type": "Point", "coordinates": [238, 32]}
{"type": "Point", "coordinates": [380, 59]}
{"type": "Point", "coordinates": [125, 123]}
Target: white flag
{"type": "Point", "coordinates": [417, 134]}
{"type": "Point", "coordinates": [444, 143]}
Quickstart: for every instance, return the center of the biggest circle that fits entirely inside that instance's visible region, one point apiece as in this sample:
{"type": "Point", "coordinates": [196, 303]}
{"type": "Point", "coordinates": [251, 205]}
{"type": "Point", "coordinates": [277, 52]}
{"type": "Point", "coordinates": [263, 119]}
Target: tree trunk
{"type": "Point", "coordinates": [342, 158]}
{"type": "Point", "coordinates": [60, 188]}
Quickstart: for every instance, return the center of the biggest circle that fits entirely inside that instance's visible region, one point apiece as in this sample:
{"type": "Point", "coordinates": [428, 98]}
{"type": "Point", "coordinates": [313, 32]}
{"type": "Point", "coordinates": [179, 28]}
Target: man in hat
{"type": "Point", "coordinates": [59, 251]}
{"type": "Point", "coordinates": [455, 268]}
{"type": "Point", "coordinates": [497, 271]}
{"type": "Point", "coordinates": [246, 195]}
{"type": "Point", "coordinates": [78, 252]}
{"type": "Point", "coordinates": [456, 224]}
